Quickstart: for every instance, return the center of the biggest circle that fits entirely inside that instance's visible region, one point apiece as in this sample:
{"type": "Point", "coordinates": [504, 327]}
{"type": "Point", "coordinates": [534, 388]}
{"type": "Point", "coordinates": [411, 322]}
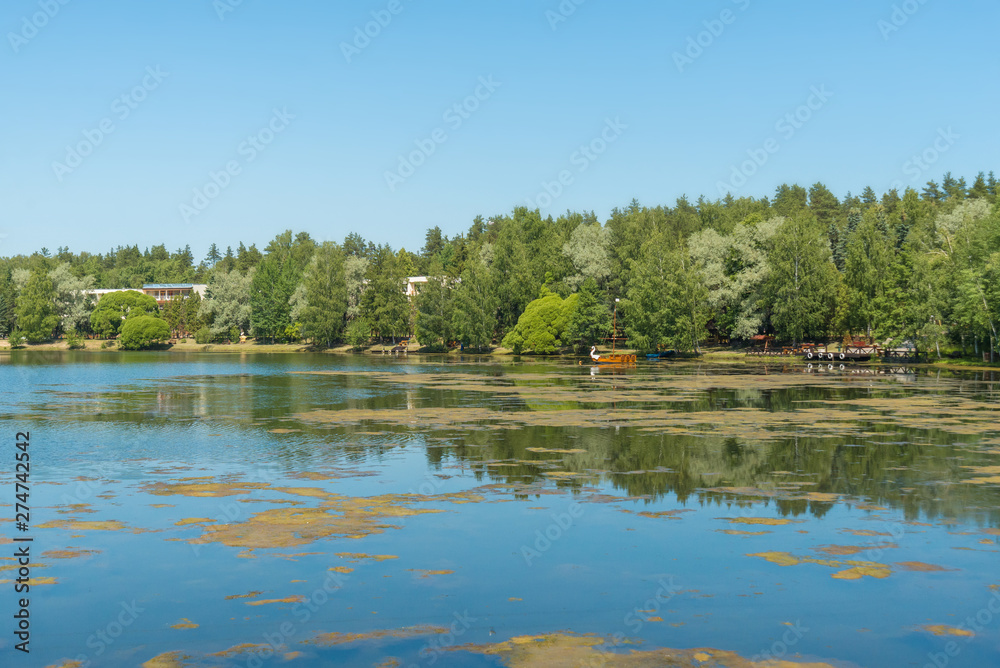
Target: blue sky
{"type": "Point", "coordinates": [299, 134]}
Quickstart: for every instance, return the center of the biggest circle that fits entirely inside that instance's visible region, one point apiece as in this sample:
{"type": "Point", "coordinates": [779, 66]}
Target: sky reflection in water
{"type": "Point", "coordinates": [838, 517]}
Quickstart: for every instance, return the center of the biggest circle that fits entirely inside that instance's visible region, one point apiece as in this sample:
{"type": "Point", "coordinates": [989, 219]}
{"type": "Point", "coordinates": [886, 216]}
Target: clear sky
{"type": "Point", "coordinates": [114, 113]}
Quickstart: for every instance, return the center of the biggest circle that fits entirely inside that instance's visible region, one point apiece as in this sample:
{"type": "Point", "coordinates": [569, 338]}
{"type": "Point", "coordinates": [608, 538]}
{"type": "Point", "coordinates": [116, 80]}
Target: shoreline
{"type": "Point", "coordinates": [729, 356]}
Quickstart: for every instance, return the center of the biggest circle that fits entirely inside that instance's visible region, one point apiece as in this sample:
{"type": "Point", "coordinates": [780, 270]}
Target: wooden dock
{"type": "Point", "coordinates": [858, 351]}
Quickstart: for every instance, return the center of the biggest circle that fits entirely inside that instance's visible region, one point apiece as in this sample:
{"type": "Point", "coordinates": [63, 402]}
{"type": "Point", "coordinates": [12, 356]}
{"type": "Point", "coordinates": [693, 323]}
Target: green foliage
{"type": "Point", "coordinates": [203, 336]}
{"type": "Point", "coordinates": [434, 309]}
{"type": "Point", "coordinates": [734, 270]}
{"type": "Point", "coordinates": [141, 332]}
{"type": "Point", "coordinates": [802, 282]}
{"type": "Point", "coordinates": [589, 249]}
{"type": "Point", "coordinates": [182, 313]}
{"type": "Point", "coordinates": [542, 325]}
{"type": "Point", "coordinates": [665, 305]}
{"type": "Point", "coordinates": [36, 314]}
{"type": "Point", "coordinates": [590, 321]}
{"type": "Point", "coordinates": [113, 308]}
{"type": "Point", "coordinates": [359, 332]}
{"type": "Point", "coordinates": [227, 302]}
{"type": "Point", "coordinates": [474, 311]}
{"type": "Point", "coordinates": [72, 299]}
{"type": "Point", "coordinates": [868, 270]}
{"type": "Point", "coordinates": [383, 301]}
{"type": "Point", "coordinates": [292, 333]}
{"type": "Point", "coordinates": [324, 292]}
{"type": "Point", "coordinates": [789, 200]}
{"type": "Point", "coordinates": [274, 282]}
{"type": "Point", "coordinates": [17, 339]}
{"type": "Point", "coordinates": [8, 301]}
{"type": "Point", "coordinates": [905, 267]}
{"type": "Point", "coordinates": [74, 340]}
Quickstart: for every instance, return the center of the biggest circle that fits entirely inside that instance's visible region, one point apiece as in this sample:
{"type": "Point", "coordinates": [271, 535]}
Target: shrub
{"type": "Point", "coordinates": [542, 325]}
{"type": "Point", "coordinates": [292, 333]}
{"type": "Point", "coordinates": [358, 333]}
{"type": "Point", "coordinates": [142, 332]}
{"type": "Point", "coordinates": [17, 339]}
{"type": "Point", "coordinates": [112, 309]}
{"type": "Point", "coordinates": [234, 334]}
{"type": "Point", "coordinates": [203, 335]}
{"type": "Point", "coordinates": [74, 340]}
{"type": "Point", "coordinates": [184, 340]}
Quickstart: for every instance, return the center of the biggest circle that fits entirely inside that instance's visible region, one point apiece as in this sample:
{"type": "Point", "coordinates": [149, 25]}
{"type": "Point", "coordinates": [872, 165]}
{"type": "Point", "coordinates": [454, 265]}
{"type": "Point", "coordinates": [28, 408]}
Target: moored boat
{"type": "Point", "coordinates": [613, 359]}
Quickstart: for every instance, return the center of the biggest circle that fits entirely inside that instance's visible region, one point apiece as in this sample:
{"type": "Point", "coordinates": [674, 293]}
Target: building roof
{"type": "Point", "coordinates": [165, 286]}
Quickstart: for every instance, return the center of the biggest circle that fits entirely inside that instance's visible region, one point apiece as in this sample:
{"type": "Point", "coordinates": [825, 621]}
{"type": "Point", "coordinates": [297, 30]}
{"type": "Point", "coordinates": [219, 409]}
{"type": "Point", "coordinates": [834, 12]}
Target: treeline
{"type": "Point", "coordinates": [922, 267]}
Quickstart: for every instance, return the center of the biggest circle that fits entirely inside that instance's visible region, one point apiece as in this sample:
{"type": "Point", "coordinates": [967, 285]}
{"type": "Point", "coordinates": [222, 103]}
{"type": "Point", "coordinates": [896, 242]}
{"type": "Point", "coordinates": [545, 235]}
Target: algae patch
{"type": "Point", "coordinates": [566, 650]}
{"type": "Point", "coordinates": [336, 638]}
{"type": "Point", "coordinates": [945, 630]}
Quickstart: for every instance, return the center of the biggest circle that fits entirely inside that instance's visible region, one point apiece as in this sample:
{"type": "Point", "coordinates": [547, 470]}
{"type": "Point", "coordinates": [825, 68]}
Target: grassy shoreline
{"type": "Point", "coordinates": [713, 355]}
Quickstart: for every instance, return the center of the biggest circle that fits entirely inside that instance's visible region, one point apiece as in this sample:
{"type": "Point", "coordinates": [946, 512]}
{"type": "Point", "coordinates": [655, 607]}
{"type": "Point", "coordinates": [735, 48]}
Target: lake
{"type": "Point", "coordinates": [251, 510]}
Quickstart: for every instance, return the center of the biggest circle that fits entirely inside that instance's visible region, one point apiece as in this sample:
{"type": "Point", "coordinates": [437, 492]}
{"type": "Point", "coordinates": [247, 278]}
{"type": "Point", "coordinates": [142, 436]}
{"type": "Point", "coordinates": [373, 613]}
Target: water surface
{"type": "Point", "coordinates": [249, 510]}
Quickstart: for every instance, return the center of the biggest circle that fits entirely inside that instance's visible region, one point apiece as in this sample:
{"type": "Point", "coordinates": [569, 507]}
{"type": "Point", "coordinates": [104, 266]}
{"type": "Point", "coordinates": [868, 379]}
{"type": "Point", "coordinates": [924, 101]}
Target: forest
{"type": "Point", "coordinates": [920, 267]}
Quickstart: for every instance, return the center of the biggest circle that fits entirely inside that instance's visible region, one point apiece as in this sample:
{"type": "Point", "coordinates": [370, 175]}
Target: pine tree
{"type": "Point", "coordinates": [213, 256]}
{"type": "Point", "coordinates": [247, 258]}
{"type": "Point", "coordinates": [823, 204]}
{"type": "Point", "coordinates": [789, 200]}
{"type": "Point", "coordinates": [890, 201]}
{"type": "Point", "coordinates": [932, 193]}
{"type": "Point", "coordinates": [840, 252]}
{"type": "Point", "coordinates": [227, 263]}
{"type": "Point", "coordinates": [979, 188]}
{"type": "Point", "coordinates": [953, 189]}
{"type": "Point", "coordinates": [271, 291]}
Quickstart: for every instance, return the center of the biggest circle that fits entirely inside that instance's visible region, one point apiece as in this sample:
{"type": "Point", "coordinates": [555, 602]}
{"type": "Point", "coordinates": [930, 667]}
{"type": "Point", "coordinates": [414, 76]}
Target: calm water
{"type": "Point", "coordinates": [249, 510]}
